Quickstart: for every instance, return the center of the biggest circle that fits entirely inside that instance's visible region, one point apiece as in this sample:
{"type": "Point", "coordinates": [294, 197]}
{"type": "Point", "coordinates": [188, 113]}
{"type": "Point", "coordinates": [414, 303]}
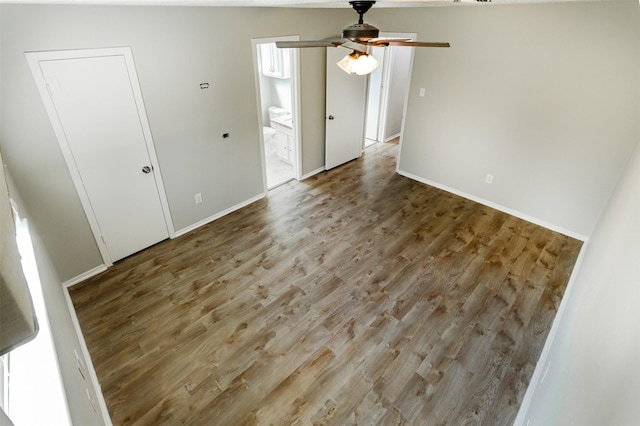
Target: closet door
{"type": "Point", "coordinates": [100, 124]}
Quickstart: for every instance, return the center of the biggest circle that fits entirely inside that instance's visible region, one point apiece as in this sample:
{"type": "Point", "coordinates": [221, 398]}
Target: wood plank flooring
{"type": "Point", "coordinates": [357, 296]}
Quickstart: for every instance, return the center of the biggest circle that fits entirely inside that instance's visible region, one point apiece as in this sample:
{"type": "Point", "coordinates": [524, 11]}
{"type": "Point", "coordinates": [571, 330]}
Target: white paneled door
{"type": "Point", "coordinates": [95, 106]}
{"type": "Point", "coordinates": [345, 113]}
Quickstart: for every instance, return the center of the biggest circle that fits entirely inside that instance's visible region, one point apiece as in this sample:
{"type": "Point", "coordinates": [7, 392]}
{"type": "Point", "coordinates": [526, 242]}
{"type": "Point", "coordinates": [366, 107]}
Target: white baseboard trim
{"type": "Point", "coordinates": [101, 268]}
{"type": "Point", "coordinates": [86, 275]}
{"type": "Point", "coordinates": [313, 173]}
{"type": "Point", "coordinates": [93, 377]}
{"type": "Point", "coordinates": [542, 366]}
{"type": "Point", "coordinates": [219, 215]}
{"type": "Point", "coordinates": [392, 137]}
{"type": "Point", "coordinates": [496, 206]}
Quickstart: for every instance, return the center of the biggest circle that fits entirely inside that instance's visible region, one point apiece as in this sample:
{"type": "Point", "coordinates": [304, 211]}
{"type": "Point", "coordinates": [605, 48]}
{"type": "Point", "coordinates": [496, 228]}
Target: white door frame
{"type": "Point", "coordinates": [386, 77]}
{"type": "Point", "coordinates": [295, 104]}
{"type": "Point", "coordinates": [384, 96]}
{"type": "Point", "coordinates": [404, 108]}
{"type": "Point", "coordinates": [380, 121]}
{"type": "Point", "coordinates": [33, 59]}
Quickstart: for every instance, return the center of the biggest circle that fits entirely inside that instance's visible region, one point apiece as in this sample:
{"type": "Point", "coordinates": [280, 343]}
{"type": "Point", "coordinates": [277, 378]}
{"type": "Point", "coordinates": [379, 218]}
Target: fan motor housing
{"type": "Point", "coordinates": [360, 32]}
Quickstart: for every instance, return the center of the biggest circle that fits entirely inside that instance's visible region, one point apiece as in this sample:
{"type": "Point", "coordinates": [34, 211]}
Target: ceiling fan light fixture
{"type": "Point", "coordinates": [359, 37]}
{"type": "Point", "coordinates": [358, 62]}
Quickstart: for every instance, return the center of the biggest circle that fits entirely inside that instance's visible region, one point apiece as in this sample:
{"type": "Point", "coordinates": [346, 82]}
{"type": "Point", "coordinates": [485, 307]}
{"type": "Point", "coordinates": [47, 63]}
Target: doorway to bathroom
{"type": "Point", "coordinates": [277, 77]}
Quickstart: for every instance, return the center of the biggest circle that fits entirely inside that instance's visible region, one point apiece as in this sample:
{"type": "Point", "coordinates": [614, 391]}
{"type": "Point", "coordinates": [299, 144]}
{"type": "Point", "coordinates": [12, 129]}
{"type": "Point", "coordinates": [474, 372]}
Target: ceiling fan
{"type": "Point", "coordinates": [359, 37]}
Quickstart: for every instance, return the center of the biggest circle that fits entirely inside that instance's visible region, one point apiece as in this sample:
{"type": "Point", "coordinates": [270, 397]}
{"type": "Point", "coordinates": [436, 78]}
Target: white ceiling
{"type": "Point", "coordinates": [277, 3]}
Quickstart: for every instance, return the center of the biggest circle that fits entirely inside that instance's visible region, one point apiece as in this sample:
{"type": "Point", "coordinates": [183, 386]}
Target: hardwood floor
{"type": "Point", "coordinates": [357, 296]}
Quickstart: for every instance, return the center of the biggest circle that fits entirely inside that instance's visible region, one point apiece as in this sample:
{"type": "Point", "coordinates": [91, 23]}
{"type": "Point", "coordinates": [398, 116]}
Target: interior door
{"type": "Point", "coordinates": [345, 115]}
{"type": "Point", "coordinates": [96, 109]}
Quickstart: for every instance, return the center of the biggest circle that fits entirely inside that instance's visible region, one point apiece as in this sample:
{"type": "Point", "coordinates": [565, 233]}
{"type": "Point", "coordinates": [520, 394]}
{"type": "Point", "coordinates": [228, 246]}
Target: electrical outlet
{"type": "Point", "coordinates": [488, 179]}
{"type": "Point", "coordinates": [198, 198]}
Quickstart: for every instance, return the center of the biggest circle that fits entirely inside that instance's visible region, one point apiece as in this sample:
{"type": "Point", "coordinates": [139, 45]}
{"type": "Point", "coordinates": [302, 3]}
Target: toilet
{"type": "Point", "coordinates": [269, 135]}
{"type": "Point", "coordinates": [268, 132]}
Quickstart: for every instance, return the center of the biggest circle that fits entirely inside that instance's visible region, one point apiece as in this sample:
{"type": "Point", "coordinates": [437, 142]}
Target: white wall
{"type": "Point", "coordinates": [175, 49]}
{"type": "Point", "coordinates": [545, 97]}
{"type": "Point", "coordinates": [398, 86]}
{"type": "Point", "coordinates": [65, 341]}
{"type": "Point", "coordinates": [374, 94]}
{"type": "Point", "coordinates": [594, 373]}
{"type": "Point", "coordinates": [273, 92]}
{"type": "Point", "coordinates": [541, 96]}
{"type": "Point", "coordinates": [281, 92]}
{"type": "Point", "coordinates": [265, 98]}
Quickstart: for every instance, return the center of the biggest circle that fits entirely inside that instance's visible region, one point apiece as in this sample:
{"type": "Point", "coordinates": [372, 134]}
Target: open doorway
{"type": "Point", "coordinates": [374, 98]}
{"type": "Point", "coordinates": [276, 74]}
{"type": "Point", "coordinates": [388, 89]}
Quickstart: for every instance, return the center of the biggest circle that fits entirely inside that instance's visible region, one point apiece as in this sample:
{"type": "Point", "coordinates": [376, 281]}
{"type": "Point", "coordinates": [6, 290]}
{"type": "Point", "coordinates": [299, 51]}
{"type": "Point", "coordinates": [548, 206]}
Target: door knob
{"type": "Point", "coordinates": [146, 169]}
{"type": "Point", "coordinates": [331, 117]}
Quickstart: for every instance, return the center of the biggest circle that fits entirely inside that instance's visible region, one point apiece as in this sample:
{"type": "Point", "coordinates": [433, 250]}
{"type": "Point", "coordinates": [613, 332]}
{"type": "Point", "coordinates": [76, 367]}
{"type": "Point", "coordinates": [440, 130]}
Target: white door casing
{"type": "Point", "coordinates": [389, 74]}
{"type": "Point", "coordinates": [296, 139]}
{"type": "Point", "coordinates": [345, 111]}
{"type": "Point", "coordinates": [94, 102]}
{"type": "Point", "coordinates": [375, 89]}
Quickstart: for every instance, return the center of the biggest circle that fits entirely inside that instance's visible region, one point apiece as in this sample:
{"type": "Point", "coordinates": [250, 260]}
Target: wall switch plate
{"type": "Point", "coordinates": [198, 198]}
{"type": "Point", "coordinates": [488, 179]}
{"type": "Point", "coordinates": [422, 91]}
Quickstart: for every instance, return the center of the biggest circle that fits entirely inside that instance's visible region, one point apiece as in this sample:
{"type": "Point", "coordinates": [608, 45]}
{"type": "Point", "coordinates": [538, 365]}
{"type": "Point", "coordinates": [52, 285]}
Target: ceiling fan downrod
{"type": "Point", "coordinates": [361, 7]}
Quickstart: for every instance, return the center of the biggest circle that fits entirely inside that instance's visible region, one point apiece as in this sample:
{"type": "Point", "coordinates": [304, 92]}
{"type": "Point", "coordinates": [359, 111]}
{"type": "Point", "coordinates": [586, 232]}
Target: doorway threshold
{"type": "Point", "coordinates": [279, 184]}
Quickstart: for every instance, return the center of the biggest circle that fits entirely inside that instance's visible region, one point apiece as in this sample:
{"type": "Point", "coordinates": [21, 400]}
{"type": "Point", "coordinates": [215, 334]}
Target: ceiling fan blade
{"type": "Point", "coordinates": [417, 43]}
{"type": "Point", "coordinates": [333, 42]}
{"type": "Point", "coordinates": [384, 41]}
{"type": "Point", "coordinates": [354, 45]}
{"type": "Point", "coordinates": [329, 42]}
